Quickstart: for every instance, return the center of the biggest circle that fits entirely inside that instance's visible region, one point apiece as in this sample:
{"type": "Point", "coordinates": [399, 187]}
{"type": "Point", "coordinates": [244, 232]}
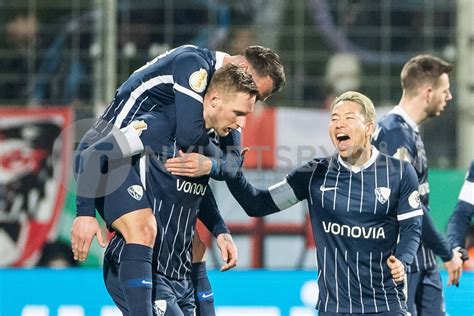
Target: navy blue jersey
{"type": "Point", "coordinates": [397, 135]}
{"type": "Point", "coordinates": [357, 215]}
{"type": "Point", "coordinates": [175, 201]}
{"type": "Point", "coordinates": [460, 220]}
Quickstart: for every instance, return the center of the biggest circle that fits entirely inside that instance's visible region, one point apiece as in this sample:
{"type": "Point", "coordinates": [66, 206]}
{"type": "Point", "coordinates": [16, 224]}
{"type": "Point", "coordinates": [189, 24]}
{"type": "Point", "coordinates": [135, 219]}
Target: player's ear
{"type": "Point", "coordinates": [244, 65]}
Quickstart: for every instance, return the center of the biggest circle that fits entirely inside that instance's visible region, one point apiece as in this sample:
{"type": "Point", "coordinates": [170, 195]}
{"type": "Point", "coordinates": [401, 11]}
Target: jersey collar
{"type": "Point", "coordinates": [220, 59]}
{"type": "Point", "coordinates": [398, 110]}
{"type": "Point", "coordinates": [368, 163]}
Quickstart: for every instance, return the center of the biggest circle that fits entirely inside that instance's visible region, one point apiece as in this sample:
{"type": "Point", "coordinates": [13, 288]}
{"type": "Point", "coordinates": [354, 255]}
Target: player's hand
{"type": "Point", "coordinates": [454, 268]}
{"type": "Point", "coordinates": [397, 269]}
{"type": "Point", "coordinates": [83, 230]}
{"type": "Point", "coordinates": [463, 252]}
{"type": "Point", "coordinates": [244, 152]}
{"type": "Point", "coordinates": [228, 251]}
{"type": "Point", "coordinates": [189, 165]}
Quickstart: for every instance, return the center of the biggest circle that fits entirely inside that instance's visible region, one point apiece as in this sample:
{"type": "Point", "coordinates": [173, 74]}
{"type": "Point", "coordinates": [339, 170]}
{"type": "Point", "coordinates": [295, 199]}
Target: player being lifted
{"type": "Point", "coordinates": [176, 82]}
{"type": "Point", "coordinates": [425, 83]}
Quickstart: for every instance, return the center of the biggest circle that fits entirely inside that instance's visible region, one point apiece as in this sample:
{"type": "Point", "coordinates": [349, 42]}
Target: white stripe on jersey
{"type": "Point", "coordinates": [324, 183]}
{"type": "Point", "coordinates": [335, 273]}
{"type": "Point", "coordinates": [174, 241]}
{"type": "Point", "coordinates": [467, 192]}
{"type": "Point", "coordinates": [375, 200]}
{"type": "Point", "coordinates": [283, 195]}
{"type": "Point", "coordinates": [360, 284]}
{"type": "Point", "coordinates": [143, 169]}
{"type": "Point", "coordinates": [120, 253]}
{"type": "Point", "coordinates": [371, 282]}
{"type": "Point", "coordinates": [188, 92]}
{"type": "Point", "coordinates": [423, 252]}
{"type": "Point", "coordinates": [138, 107]}
{"type": "Point", "coordinates": [361, 191]}
{"type": "Point", "coordinates": [110, 243]}
{"type": "Point", "coordinates": [147, 85]}
{"type": "Point", "coordinates": [115, 110]}
{"type": "Point", "coordinates": [411, 214]}
{"type": "Point", "coordinates": [383, 285]}
{"type": "Point", "coordinates": [325, 283]}
{"type": "Point", "coordinates": [309, 185]}
{"type": "Point", "coordinates": [398, 293]}
{"type": "Point", "coordinates": [350, 187]}
{"type": "Point", "coordinates": [163, 235]}
{"type": "Point", "coordinates": [388, 184]}
{"type": "Point", "coordinates": [348, 283]}
{"type": "Point", "coordinates": [184, 245]}
{"type": "Point", "coordinates": [133, 143]}
{"type": "Point", "coordinates": [335, 191]}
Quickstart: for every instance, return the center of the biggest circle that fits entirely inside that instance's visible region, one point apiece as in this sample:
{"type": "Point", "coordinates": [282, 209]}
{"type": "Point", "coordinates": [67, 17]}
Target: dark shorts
{"type": "Point", "coordinates": [120, 190]}
{"type": "Point", "coordinates": [170, 297]}
{"type": "Point", "coordinates": [394, 313]}
{"type": "Point", "coordinates": [425, 293]}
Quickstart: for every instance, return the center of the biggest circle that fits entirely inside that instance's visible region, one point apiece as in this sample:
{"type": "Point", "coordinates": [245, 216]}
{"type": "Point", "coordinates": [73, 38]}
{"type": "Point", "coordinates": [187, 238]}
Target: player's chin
{"type": "Point", "coordinates": [224, 132]}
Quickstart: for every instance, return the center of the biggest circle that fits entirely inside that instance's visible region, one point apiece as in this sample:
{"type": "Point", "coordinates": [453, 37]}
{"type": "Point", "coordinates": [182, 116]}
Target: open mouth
{"type": "Point", "coordinates": [342, 137]}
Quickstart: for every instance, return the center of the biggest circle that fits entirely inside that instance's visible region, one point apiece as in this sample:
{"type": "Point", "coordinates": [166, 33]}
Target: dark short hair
{"type": "Point", "coordinates": [421, 70]}
{"type": "Point", "coordinates": [232, 78]}
{"type": "Point", "coordinates": [266, 63]}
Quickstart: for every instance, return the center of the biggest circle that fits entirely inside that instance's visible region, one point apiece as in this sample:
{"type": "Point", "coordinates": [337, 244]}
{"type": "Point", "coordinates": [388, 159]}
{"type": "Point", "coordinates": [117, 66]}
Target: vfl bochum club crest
{"type": "Point", "coordinates": [135, 192]}
{"type": "Point", "coordinates": [159, 307]}
{"type": "Point", "coordinates": [382, 194]}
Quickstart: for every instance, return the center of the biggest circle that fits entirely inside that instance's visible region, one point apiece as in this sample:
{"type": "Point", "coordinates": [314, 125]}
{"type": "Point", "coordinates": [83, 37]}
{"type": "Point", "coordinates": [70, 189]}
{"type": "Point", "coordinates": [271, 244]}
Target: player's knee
{"type": "Point", "coordinates": [139, 227]}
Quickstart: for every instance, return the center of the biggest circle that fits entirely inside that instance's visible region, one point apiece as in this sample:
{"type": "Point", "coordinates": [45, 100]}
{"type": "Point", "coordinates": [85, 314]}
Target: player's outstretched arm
{"type": "Point", "coordinates": [221, 163]}
{"type": "Point", "coordinates": [83, 230]}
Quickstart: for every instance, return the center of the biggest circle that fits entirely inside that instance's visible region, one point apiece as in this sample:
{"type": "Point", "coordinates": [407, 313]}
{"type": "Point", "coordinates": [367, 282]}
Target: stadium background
{"type": "Point", "coordinates": [61, 61]}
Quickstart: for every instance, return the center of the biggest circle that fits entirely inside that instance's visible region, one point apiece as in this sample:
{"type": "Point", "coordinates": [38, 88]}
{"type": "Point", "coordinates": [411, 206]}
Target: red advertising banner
{"type": "Point", "coordinates": [35, 154]}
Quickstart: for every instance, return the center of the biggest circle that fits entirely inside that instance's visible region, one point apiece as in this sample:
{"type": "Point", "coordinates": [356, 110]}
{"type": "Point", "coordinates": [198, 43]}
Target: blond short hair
{"type": "Point", "coordinates": [368, 109]}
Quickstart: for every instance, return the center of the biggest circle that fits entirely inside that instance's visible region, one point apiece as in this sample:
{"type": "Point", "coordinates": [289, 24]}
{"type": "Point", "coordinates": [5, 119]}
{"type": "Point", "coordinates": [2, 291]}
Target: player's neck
{"type": "Point", "coordinates": [414, 108]}
{"type": "Point", "coordinates": [360, 157]}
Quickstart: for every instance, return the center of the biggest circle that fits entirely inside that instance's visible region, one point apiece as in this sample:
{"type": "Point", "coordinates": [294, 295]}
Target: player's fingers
{"type": "Point", "coordinates": [84, 249]}
{"type": "Point", "coordinates": [100, 238]}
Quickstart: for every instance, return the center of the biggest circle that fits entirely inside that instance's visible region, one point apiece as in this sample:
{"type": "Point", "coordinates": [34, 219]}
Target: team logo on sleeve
{"type": "Point", "coordinates": [139, 126]}
{"type": "Point", "coordinates": [382, 194]}
{"type": "Point", "coordinates": [414, 199]}
{"type": "Point", "coordinates": [198, 80]}
{"type": "Point", "coordinates": [135, 192]}
{"type": "Point", "coordinates": [159, 307]}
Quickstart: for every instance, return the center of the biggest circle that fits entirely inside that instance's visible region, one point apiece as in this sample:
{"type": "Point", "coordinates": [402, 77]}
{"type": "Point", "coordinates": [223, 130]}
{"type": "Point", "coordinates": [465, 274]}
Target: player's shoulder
{"type": "Point", "coordinates": [394, 163]}
{"type": "Point", "coordinates": [194, 54]}
{"type": "Point", "coordinates": [394, 123]}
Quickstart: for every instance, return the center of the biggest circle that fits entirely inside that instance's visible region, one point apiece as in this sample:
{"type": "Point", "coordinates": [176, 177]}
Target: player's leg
{"type": "Point", "coordinates": [127, 208]}
{"type": "Point", "coordinates": [112, 283]}
{"type": "Point", "coordinates": [164, 299]}
{"type": "Point", "coordinates": [414, 280]}
{"type": "Point", "coordinates": [431, 302]}
{"type": "Point", "coordinates": [203, 295]}
{"type": "Point", "coordinates": [186, 299]}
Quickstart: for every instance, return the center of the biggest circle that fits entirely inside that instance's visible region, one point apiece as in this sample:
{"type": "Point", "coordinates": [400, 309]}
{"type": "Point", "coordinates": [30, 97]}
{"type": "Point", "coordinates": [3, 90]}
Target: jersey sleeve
{"type": "Point", "coordinates": [396, 143]}
{"type": "Point", "coordinates": [210, 215]}
{"type": "Point", "coordinates": [191, 75]}
{"type": "Point", "coordinates": [409, 215]}
{"type": "Point", "coordinates": [460, 220]}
